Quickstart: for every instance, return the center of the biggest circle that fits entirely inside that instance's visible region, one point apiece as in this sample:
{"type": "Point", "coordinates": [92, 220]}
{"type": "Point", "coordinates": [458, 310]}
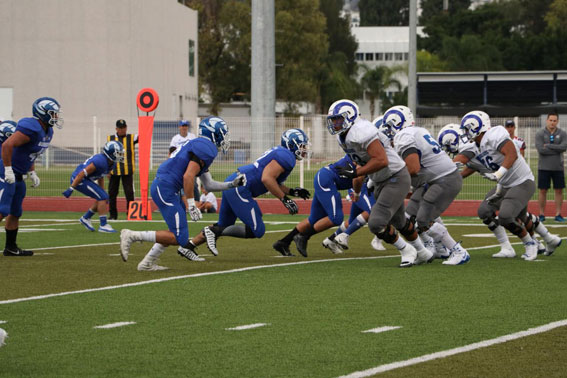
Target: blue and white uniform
{"type": "Point", "coordinates": [239, 202]}
{"type": "Point", "coordinates": [89, 186]}
{"type": "Point", "coordinates": [169, 182]}
{"type": "Point", "coordinates": [23, 158]}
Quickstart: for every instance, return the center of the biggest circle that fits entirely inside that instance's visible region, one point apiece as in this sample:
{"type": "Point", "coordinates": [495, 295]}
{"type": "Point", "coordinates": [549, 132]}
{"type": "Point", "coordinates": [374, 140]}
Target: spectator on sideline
{"type": "Point", "coordinates": [208, 201]}
{"type": "Point", "coordinates": [176, 142]}
{"type": "Point", "coordinates": [551, 143]}
{"type": "Point", "coordinates": [122, 171]}
{"type": "Point", "coordinates": [31, 138]}
{"type": "Point", "coordinates": [519, 142]}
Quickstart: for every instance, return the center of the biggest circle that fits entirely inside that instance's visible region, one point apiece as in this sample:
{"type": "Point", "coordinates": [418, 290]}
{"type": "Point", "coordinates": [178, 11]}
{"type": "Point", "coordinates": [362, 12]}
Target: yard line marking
{"type": "Point", "coordinates": [452, 352]}
{"type": "Point", "coordinates": [157, 280]}
{"type": "Point", "coordinates": [249, 326]}
{"type": "Point", "coordinates": [3, 322]}
{"type": "Point", "coordinates": [44, 254]}
{"type": "Point", "coordinates": [74, 246]}
{"type": "Point", "coordinates": [381, 329]}
{"type": "Point", "coordinates": [113, 325]}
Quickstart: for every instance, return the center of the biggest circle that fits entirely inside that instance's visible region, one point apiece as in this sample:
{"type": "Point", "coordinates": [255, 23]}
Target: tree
{"type": "Point", "coordinates": [384, 12]}
{"type": "Point", "coordinates": [431, 8]}
{"type": "Point", "coordinates": [376, 81]}
{"type": "Point", "coordinates": [556, 17]}
{"type": "Point", "coordinates": [429, 62]}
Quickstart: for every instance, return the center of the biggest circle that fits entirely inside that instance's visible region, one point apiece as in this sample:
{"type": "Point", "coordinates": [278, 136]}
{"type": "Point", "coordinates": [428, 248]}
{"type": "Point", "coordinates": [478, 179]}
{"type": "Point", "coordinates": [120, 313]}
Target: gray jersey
{"type": "Point", "coordinates": [492, 158]}
{"type": "Point", "coordinates": [356, 142]}
{"type": "Point", "coordinates": [435, 163]}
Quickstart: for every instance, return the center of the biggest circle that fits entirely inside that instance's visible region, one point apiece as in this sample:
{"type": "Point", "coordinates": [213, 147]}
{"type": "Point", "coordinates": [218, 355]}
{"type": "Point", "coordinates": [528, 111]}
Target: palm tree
{"type": "Point", "coordinates": [376, 81]}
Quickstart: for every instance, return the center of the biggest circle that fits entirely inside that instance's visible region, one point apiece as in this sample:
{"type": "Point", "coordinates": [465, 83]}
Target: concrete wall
{"type": "Point", "coordinates": [94, 56]}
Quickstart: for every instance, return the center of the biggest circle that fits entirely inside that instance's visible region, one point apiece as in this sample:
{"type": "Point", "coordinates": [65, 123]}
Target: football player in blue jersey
{"type": "Point", "coordinates": [267, 173]}
{"type": "Point", "coordinates": [326, 208]}
{"type": "Point", "coordinates": [88, 178]}
{"type": "Point", "coordinates": [190, 160]}
{"type": "Point", "coordinates": [7, 128]}
{"type": "Point", "coordinates": [19, 151]}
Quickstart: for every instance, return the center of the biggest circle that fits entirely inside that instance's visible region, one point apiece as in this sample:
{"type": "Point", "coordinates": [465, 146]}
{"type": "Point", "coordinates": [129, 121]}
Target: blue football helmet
{"type": "Point", "coordinates": [342, 115]}
{"type": "Point", "coordinates": [297, 142]}
{"type": "Point", "coordinates": [448, 138]}
{"type": "Point", "coordinates": [114, 150]}
{"type": "Point", "coordinates": [7, 128]}
{"type": "Point", "coordinates": [397, 118]}
{"type": "Point", "coordinates": [184, 122]}
{"type": "Point", "coordinates": [473, 124]}
{"type": "Point", "coordinates": [215, 129]}
{"type": "Point", "coordinates": [47, 110]}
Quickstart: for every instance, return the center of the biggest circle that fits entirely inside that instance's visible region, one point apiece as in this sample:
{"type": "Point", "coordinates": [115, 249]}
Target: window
{"type": "Point", "coordinates": [399, 56]}
{"type": "Point", "coordinates": [369, 56]}
{"type": "Point", "coordinates": [406, 56]}
{"type": "Point", "coordinates": [388, 56]}
{"type": "Point", "coordinates": [379, 56]}
{"type": "Point", "coordinates": [191, 58]}
{"type": "Point", "coordinates": [359, 56]}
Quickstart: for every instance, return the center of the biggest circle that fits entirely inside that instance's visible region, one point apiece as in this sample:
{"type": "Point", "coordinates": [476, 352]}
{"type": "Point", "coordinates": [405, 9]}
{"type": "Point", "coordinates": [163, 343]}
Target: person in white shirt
{"type": "Point", "coordinates": [208, 202]}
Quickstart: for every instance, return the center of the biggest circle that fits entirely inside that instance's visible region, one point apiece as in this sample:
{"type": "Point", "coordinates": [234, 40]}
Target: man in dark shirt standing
{"type": "Point", "coordinates": [551, 143]}
{"type": "Point", "coordinates": [124, 171]}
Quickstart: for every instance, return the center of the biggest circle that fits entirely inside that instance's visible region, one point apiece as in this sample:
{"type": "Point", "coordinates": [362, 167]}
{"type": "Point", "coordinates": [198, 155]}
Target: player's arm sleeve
{"type": "Point", "coordinates": [212, 185]}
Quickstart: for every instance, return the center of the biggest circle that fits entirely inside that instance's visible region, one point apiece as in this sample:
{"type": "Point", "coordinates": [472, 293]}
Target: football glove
{"type": "Point", "coordinates": [290, 205]}
{"type": "Point", "coordinates": [68, 192]}
{"type": "Point", "coordinates": [495, 176]}
{"type": "Point", "coordinates": [34, 178]}
{"type": "Point", "coordinates": [347, 172]}
{"type": "Point", "coordinates": [239, 180]}
{"type": "Point", "coordinates": [300, 192]}
{"type": "Point", "coordinates": [193, 210]}
{"type": "Point", "coordinates": [9, 175]}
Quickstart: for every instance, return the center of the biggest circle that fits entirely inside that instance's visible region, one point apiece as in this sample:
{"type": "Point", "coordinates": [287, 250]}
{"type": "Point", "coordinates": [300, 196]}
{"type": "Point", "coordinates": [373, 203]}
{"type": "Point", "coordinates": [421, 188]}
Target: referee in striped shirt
{"type": "Point", "coordinates": [123, 171]}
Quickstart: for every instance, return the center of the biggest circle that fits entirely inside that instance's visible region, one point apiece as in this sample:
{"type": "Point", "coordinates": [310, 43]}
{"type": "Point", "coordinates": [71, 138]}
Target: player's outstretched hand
{"type": "Point", "coordinates": [300, 192]}
{"type": "Point", "coordinates": [290, 205]}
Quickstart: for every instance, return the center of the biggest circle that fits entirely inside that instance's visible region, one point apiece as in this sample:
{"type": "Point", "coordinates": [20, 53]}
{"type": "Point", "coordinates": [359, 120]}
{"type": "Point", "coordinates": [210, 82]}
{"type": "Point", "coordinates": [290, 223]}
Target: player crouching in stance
{"type": "Point", "coordinates": [85, 177]}
{"type": "Point", "coordinates": [178, 172]}
{"type": "Point", "coordinates": [435, 177]}
{"type": "Point", "coordinates": [371, 150]}
{"type": "Point", "coordinates": [267, 173]}
{"type": "Point", "coordinates": [450, 141]}
{"type": "Point", "coordinates": [326, 209]}
{"type": "Point", "coordinates": [497, 152]}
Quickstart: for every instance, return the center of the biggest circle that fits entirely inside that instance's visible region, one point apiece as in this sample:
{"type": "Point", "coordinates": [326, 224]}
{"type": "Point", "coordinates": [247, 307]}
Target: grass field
{"type": "Point", "coordinates": [309, 314]}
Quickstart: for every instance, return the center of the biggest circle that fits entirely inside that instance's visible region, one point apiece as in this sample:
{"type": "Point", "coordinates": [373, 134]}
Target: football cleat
{"type": "Point", "coordinates": [531, 251]}
{"type": "Point", "coordinates": [342, 240]}
{"type": "Point", "coordinates": [540, 246]}
{"type": "Point", "coordinates": [409, 254]}
{"type": "Point", "coordinates": [106, 229]}
{"type": "Point", "coordinates": [149, 264]}
{"type": "Point", "coordinates": [441, 252]}
{"type": "Point", "coordinates": [331, 245]}
{"type": "Point", "coordinates": [552, 245]}
{"type": "Point", "coordinates": [424, 255]}
{"type": "Point", "coordinates": [17, 252]}
{"type": "Point", "coordinates": [459, 256]}
{"type": "Point", "coordinates": [87, 223]}
{"type": "Point", "coordinates": [127, 237]}
{"type": "Point", "coordinates": [376, 243]}
{"type": "Point", "coordinates": [505, 253]}
{"type": "Point", "coordinates": [301, 244]}
{"type": "Point", "coordinates": [211, 240]}
{"type": "Point", "coordinates": [282, 247]}
{"type": "Point", "coordinates": [189, 253]}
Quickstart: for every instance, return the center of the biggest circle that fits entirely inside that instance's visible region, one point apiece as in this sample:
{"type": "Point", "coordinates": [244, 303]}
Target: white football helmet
{"type": "Point", "coordinates": [342, 115]}
{"type": "Point", "coordinates": [473, 124]}
{"type": "Point", "coordinates": [397, 118]}
{"type": "Point", "coordinates": [448, 138]}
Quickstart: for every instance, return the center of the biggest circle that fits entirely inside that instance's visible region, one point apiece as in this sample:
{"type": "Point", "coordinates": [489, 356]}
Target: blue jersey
{"type": "Point", "coordinates": [254, 171]}
{"type": "Point", "coordinates": [102, 164]}
{"type": "Point", "coordinates": [23, 156]}
{"type": "Point", "coordinates": [342, 183]}
{"type": "Point", "coordinates": [173, 169]}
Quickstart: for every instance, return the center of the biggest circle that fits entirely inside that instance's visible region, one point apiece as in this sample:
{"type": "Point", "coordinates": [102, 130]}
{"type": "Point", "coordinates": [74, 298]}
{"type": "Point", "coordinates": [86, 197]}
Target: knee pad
{"type": "Point", "coordinates": [409, 227]}
{"type": "Point", "coordinates": [388, 234]}
{"type": "Point", "coordinates": [513, 227]}
{"type": "Point", "coordinates": [491, 223]}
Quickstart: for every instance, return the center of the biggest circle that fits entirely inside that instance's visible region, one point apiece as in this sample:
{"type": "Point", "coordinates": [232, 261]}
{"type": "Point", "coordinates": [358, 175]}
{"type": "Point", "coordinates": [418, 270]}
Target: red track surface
{"type": "Point", "coordinates": [268, 206]}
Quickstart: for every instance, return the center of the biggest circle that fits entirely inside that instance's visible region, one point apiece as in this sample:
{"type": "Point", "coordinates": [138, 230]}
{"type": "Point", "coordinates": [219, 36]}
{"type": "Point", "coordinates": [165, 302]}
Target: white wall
{"type": "Point", "coordinates": [95, 56]}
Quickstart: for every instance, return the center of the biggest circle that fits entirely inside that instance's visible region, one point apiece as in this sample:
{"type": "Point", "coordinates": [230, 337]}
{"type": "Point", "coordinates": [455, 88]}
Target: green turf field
{"type": "Point", "coordinates": [309, 314]}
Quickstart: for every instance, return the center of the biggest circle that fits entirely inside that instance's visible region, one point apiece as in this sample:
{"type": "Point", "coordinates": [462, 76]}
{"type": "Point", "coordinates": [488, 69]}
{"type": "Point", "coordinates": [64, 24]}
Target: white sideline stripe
{"type": "Point", "coordinates": [113, 325]}
{"type": "Point", "coordinates": [249, 326]}
{"type": "Point", "coordinates": [381, 329]}
{"type": "Point", "coordinates": [452, 352]}
{"type": "Point", "coordinates": [3, 322]}
{"type": "Point", "coordinates": [8, 301]}
{"type": "Point", "coordinates": [44, 254]}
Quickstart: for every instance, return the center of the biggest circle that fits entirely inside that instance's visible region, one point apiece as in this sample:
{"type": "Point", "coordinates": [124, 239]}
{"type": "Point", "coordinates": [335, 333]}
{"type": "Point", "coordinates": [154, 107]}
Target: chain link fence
{"type": "Point", "coordinates": [249, 138]}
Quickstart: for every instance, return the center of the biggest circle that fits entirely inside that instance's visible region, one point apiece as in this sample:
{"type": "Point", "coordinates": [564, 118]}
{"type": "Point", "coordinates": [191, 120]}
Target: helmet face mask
{"type": "Point", "coordinates": [341, 116]}
{"type": "Point", "coordinates": [397, 118]}
{"type": "Point", "coordinates": [297, 142]}
{"type": "Point", "coordinates": [47, 110]}
{"type": "Point", "coordinates": [114, 151]}
{"type": "Point", "coordinates": [215, 129]}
